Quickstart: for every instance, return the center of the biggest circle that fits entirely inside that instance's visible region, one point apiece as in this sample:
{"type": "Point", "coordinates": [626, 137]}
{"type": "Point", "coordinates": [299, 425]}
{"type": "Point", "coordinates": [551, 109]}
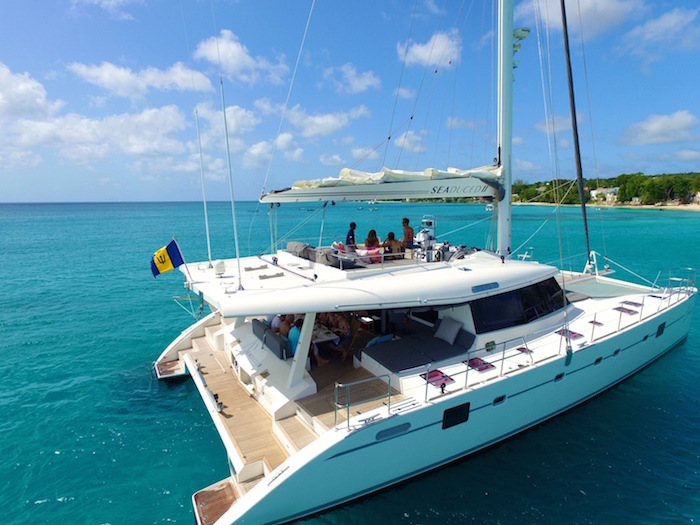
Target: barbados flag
{"type": "Point", "coordinates": [166, 259]}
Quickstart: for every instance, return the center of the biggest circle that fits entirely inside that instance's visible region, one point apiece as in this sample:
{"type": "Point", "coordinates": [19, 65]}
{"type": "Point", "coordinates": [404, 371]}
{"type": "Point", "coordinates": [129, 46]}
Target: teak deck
{"type": "Point", "coordinates": [247, 423]}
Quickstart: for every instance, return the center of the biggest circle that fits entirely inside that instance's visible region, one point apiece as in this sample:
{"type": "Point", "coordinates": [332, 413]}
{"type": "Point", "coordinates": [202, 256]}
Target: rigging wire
{"type": "Point", "coordinates": [199, 141]}
{"type": "Point", "coordinates": [590, 120]}
{"type": "Point", "coordinates": [289, 94]}
{"type": "Point", "coordinates": [284, 113]}
{"type": "Point", "coordinates": [398, 89]}
{"type": "Point", "coordinates": [228, 152]}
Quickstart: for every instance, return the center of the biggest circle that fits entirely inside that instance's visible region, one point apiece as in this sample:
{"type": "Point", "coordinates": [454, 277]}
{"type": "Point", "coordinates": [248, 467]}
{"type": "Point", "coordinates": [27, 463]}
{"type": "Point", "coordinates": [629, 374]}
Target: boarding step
{"type": "Point", "coordinates": [170, 369]}
{"type": "Point", "coordinates": [202, 345]}
{"type": "Point", "coordinates": [212, 502]}
{"type": "Point", "coordinates": [294, 433]}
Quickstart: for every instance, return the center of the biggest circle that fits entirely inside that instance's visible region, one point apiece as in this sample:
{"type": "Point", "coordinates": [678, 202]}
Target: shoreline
{"type": "Point", "coordinates": [660, 207]}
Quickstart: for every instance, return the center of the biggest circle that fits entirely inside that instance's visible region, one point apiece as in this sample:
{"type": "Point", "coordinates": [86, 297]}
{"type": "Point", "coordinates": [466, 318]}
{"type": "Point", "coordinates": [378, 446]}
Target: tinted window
{"type": "Point", "coordinates": [517, 307]}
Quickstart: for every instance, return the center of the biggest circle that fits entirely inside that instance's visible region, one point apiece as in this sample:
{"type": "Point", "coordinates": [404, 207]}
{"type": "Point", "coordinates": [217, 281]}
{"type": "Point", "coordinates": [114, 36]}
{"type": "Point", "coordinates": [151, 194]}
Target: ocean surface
{"type": "Point", "coordinates": [88, 436]}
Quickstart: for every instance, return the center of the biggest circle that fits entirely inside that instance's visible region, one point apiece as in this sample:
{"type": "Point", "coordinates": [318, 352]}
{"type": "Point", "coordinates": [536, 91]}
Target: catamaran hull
{"type": "Point", "coordinates": [341, 465]}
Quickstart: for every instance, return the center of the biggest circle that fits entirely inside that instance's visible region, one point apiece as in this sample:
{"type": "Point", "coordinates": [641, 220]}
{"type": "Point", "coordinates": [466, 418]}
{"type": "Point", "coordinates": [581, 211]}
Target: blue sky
{"type": "Point", "coordinates": [98, 97]}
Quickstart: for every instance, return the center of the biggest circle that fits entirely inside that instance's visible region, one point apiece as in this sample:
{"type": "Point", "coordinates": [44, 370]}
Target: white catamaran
{"type": "Point", "coordinates": [449, 350]}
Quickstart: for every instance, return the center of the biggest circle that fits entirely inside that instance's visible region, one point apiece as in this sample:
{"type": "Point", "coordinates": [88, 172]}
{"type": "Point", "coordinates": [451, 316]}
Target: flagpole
{"type": "Point", "coordinates": [183, 259]}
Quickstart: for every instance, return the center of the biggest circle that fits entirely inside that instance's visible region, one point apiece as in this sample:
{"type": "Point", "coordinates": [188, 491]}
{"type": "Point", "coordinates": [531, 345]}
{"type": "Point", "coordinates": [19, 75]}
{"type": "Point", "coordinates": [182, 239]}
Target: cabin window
{"type": "Point", "coordinates": [517, 307]}
{"type": "Point", "coordinates": [455, 415]}
{"type": "Point", "coordinates": [660, 330]}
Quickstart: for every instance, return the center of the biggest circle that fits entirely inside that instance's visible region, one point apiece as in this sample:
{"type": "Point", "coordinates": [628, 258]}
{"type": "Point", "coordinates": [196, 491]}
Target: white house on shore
{"type": "Point", "coordinates": [607, 194]}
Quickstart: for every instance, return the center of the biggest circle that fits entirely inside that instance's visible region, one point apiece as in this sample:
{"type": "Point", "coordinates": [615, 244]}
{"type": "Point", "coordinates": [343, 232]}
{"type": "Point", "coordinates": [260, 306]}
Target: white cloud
{"type": "Point", "coordinates": [662, 129]}
{"type": "Point", "coordinates": [597, 16]}
{"type": "Point", "coordinates": [564, 143]}
{"type": "Point", "coordinates": [81, 139]}
{"type": "Point", "coordinates": [114, 7]}
{"type": "Point", "coordinates": [331, 159]}
{"type": "Point", "coordinates": [258, 155]}
{"type": "Point", "coordinates": [323, 124]}
{"type": "Point", "coordinates": [410, 141]}
{"type": "Point", "coordinates": [124, 82]}
{"type": "Point", "coordinates": [688, 155]}
{"type": "Point", "coordinates": [459, 123]}
{"type": "Point", "coordinates": [406, 93]}
{"type": "Point", "coordinates": [675, 29]}
{"type": "Point", "coordinates": [439, 50]}
{"type": "Point", "coordinates": [237, 62]}
{"type": "Point", "coordinates": [352, 82]}
{"type": "Point", "coordinates": [562, 123]}
{"type": "Point", "coordinates": [238, 122]}
{"type": "Point", "coordinates": [524, 165]}
{"type": "Point", "coordinates": [364, 153]}
{"type": "Point", "coordinates": [22, 96]}
{"type": "Point", "coordinates": [517, 141]}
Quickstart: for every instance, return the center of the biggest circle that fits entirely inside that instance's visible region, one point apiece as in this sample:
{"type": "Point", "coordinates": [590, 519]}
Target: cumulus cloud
{"type": "Point", "coordinates": [23, 96]}
{"type": "Point", "coordinates": [124, 82]}
{"type": "Point", "coordinates": [238, 122]}
{"type": "Point", "coordinates": [331, 159]}
{"type": "Point", "coordinates": [410, 141]}
{"type": "Point", "coordinates": [366, 153]}
{"type": "Point", "coordinates": [114, 7]}
{"type": "Point", "coordinates": [442, 48]}
{"type": "Point", "coordinates": [525, 165]}
{"type": "Point", "coordinates": [459, 123]}
{"type": "Point", "coordinates": [258, 155]}
{"type": "Point", "coordinates": [676, 29]}
{"type": "Point", "coordinates": [597, 16]}
{"type": "Point", "coordinates": [237, 62]}
{"type": "Point", "coordinates": [662, 129]}
{"type": "Point", "coordinates": [562, 123]}
{"type": "Point", "coordinates": [323, 124]}
{"type": "Point", "coordinates": [81, 139]}
{"type": "Point", "coordinates": [688, 155]}
{"type": "Point", "coordinates": [350, 80]}
{"type": "Point", "coordinates": [406, 93]}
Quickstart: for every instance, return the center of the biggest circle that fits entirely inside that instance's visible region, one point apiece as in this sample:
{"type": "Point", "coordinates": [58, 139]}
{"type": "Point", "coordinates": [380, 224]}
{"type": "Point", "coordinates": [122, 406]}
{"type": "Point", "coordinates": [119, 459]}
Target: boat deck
{"type": "Point", "coordinates": [364, 397]}
{"type": "Point", "coordinates": [247, 423]}
{"type": "Point", "coordinates": [211, 503]}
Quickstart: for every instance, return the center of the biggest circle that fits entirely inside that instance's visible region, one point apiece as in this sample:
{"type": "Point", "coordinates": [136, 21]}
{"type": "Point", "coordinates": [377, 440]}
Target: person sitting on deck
{"type": "Point", "coordinates": [295, 334]}
{"type": "Point", "coordinates": [275, 323]}
{"type": "Point", "coordinates": [341, 326]}
{"type": "Point", "coordinates": [392, 246]}
{"type": "Point", "coordinates": [286, 325]}
{"type": "Point", "coordinates": [372, 241]}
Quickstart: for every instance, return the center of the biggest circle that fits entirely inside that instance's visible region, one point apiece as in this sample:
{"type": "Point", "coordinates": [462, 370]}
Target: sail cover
{"type": "Point", "coordinates": [355, 185]}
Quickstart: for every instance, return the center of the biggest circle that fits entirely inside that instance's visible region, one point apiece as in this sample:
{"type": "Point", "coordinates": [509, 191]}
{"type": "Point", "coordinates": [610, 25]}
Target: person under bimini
{"type": "Point", "coordinates": [295, 335]}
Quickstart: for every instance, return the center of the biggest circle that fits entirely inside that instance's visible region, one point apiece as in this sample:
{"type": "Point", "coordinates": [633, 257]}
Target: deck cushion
{"type": "Point", "coordinates": [448, 330]}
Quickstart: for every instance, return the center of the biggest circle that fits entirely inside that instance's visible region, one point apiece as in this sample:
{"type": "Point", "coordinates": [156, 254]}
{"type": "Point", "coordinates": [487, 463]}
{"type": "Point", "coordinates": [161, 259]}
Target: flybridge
{"type": "Point", "coordinates": [354, 185]}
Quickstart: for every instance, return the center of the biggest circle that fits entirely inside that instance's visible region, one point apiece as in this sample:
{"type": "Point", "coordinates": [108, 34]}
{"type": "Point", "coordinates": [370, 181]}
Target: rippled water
{"type": "Point", "coordinates": [87, 435]}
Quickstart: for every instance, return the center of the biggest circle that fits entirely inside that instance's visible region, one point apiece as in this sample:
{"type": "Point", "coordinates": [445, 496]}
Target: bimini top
{"type": "Point", "coordinates": [287, 283]}
{"type": "Point", "coordinates": [355, 185]}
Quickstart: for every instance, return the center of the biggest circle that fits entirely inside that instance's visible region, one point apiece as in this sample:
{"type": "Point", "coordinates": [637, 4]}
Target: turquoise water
{"type": "Point", "coordinates": [87, 435]}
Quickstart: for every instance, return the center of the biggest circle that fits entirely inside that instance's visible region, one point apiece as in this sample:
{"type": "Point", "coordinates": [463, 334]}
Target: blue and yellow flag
{"type": "Point", "coordinates": [166, 259]}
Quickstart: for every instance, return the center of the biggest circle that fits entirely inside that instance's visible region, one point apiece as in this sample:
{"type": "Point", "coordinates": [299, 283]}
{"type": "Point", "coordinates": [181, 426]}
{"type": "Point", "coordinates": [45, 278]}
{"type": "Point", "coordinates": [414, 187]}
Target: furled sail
{"type": "Point", "coordinates": [355, 185]}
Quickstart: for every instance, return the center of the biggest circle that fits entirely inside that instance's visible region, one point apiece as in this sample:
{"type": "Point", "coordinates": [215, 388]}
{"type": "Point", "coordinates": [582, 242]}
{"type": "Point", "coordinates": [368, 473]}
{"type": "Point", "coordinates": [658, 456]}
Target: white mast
{"type": "Point", "coordinates": [505, 119]}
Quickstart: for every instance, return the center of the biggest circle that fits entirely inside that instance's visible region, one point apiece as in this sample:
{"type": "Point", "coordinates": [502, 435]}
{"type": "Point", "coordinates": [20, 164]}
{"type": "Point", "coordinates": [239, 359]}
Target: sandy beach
{"type": "Point", "coordinates": [661, 206]}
